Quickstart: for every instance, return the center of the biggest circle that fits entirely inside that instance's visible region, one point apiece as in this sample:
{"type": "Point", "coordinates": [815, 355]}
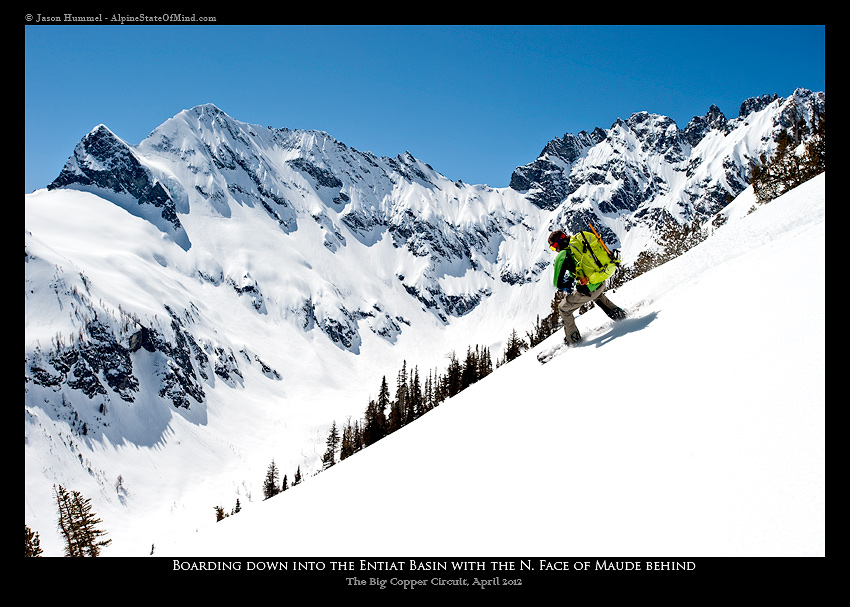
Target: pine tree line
{"type": "Point", "coordinates": [414, 397]}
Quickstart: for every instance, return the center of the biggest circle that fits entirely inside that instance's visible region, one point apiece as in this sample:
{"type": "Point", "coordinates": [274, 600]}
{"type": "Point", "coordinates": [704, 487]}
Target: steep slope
{"type": "Point", "coordinates": [699, 439]}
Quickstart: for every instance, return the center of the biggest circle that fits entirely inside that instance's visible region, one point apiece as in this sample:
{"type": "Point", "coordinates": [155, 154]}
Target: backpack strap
{"type": "Point", "coordinates": [589, 248]}
{"type": "Point", "coordinates": [577, 257]}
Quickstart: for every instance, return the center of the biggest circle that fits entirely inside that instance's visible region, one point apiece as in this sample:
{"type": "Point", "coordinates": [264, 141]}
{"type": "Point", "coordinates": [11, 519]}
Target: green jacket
{"type": "Point", "coordinates": [566, 276]}
{"type": "Point", "coordinates": [562, 272]}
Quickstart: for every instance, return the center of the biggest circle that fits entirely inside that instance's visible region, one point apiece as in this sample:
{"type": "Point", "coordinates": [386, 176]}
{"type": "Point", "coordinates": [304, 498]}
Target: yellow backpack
{"type": "Point", "coordinates": [592, 258]}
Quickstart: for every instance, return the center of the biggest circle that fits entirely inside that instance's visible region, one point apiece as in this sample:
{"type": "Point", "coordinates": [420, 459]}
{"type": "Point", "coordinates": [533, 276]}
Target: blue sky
{"type": "Point", "coordinates": [473, 102]}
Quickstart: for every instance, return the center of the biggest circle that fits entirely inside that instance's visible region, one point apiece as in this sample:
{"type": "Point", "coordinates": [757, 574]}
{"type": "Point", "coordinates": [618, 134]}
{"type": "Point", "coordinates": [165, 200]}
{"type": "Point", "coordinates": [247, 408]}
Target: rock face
{"type": "Point", "coordinates": [647, 170]}
{"type": "Point", "coordinates": [104, 163]}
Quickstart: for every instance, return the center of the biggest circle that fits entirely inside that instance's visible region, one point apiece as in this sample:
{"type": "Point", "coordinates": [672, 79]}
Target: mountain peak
{"type": "Point", "coordinates": [205, 109]}
{"type": "Point", "coordinates": [105, 164]}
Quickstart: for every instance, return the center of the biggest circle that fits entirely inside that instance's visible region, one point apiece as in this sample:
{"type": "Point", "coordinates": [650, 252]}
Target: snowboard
{"type": "Point", "coordinates": [544, 356]}
{"type": "Point", "coordinates": [634, 320]}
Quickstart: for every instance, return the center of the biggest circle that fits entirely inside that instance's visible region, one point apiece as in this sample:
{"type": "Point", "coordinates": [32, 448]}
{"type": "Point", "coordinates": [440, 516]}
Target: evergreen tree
{"type": "Point", "coordinates": [78, 524]}
{"type": "Point", "coordinates": [352, 440]}
{"type": "Point", "coordinates": [284, 485]}
{"type": "Point", "coordinates": [395, 419]}
{"type": "Point", "coordinates": [545, 327]}
{"type": "Point", "coordinates": [358, 437]}
{"type": "Point", "coordinates": [370, 424]}
{"type": "Point", "coordinates": [346, 447]}
{"type": "Point", "coordinates": [66, 528]}
{"type": "Point", "coordinates": [485, 365]}
{"type": "Point", "coordinates": [452, 379]}
{"type": "Point", "coordinates": [33, 543]}
{"type": "Point", "coordinates": [414, 401]}
{"type": "Point", "coordinates": [219, 513]}
{"type": "Point", "coordinates": [438, 388]}
{"type": "Point", "coordinates": [375, 423]}
{"type": "Point", "coordinates": [514, 348]}
{"type": "Point", "coordinates": [332, 443]}
{"type": "Point", "coordinates": [428, 394]}
{"type": "Point", "coordinates": [398, 408]}
{"type": "Point", "coordinates": [534, 337]}
{"type": "Point", "coordinates": [383, 403]}
{"type": "Point", "coordinates": [297, 479]}
{"type": "Point", "coordinates": [469, 374]}
{"type": "Point", "coordinates": [270, 486]}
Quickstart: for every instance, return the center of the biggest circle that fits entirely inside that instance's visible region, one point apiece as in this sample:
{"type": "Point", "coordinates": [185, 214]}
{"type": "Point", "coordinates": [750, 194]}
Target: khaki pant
{"type": "Point", "coordinates": [575, 300]}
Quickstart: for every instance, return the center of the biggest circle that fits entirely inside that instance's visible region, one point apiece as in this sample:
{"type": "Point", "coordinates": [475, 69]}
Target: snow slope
{"type": "Point", "coordinates": [696, 427]}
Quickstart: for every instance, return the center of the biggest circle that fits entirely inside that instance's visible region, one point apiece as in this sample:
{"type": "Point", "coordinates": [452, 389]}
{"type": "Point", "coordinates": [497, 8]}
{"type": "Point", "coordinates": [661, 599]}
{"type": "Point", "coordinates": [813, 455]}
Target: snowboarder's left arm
{"type": "Point", "coordinates": [563, 280]}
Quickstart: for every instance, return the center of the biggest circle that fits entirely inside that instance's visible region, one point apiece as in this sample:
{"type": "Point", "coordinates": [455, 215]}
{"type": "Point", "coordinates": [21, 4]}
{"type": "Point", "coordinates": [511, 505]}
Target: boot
{"type": "Point", "coordinates": [573, 339]}
{"type": "Point", "coordinates": [616, 314]}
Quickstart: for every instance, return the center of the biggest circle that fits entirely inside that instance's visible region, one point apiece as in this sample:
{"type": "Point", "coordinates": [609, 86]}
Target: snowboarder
{"type": "Point", "coordinates": [572, 281]}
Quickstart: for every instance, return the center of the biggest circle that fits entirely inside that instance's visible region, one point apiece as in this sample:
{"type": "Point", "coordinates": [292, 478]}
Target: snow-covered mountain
{"type": "Point", "coordinates": [216, 296]}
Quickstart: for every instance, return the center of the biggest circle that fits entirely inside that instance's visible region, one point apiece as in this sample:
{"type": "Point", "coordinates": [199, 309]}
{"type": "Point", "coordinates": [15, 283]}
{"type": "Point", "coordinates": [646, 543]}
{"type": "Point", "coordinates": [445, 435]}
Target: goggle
{"type": "Point", "coordinates": [557, 244]}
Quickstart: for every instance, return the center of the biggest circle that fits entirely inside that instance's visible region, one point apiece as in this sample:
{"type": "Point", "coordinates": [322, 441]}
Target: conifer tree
{"type": "Point", "coordinates": [332, 443]}
{"type": "Point", "coordinates": [428, 394]}
{"type": "Point", "coordinates": [440, 387]}
{"type": "Point", "coordinates": [544, 327]}
{"type": "Point", "coordinates": [33, 543]}
{"type": "Point", "coordinates": [414, 401]}
{"type": "Point", "coordinates": [395, 419]}
{"type": "Point", "coordinates": [297, 479]}
{"type": "Point", "coordinates": [270, 486]}
{"type": "Point", "coordinates": [375, 423]}
{"type": "Point", "coordinates": [66, 528]}
{"type": "Point", "coordinates": [352, 440]}
{"type": "Point", "coordinates": [514, 348]}
{"type": "Point", "coordinates": [453, 373]}
{"type": "Point", "coordinates": [370, 423]}
{"type": "Point", "coordinates": [78, 524]}
{"type": "Point", "coordinates": [398, 408]}
{"type": "Point", "coordinates": [485, 364]}
{"type": "Point", "coordinates": [346, 447]}
{"type": "Point", "coordinates": [469, 374]}
{"type": "Point", "coordinates": [357, 436]}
